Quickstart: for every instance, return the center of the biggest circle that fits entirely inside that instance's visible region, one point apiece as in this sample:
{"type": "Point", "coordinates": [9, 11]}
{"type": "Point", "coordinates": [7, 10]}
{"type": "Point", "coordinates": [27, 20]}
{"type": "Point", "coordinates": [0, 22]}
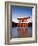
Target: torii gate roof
{"type": "Point", "coordinates": [24, 18]}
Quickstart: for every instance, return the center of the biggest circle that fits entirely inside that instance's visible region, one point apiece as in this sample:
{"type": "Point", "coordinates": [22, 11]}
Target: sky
{"type": "Point", "coordinates": [20, 11]}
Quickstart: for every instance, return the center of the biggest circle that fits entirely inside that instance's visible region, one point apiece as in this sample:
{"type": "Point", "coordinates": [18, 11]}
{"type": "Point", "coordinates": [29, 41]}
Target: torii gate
{"type": "Point", "coordinates": [23, 22]}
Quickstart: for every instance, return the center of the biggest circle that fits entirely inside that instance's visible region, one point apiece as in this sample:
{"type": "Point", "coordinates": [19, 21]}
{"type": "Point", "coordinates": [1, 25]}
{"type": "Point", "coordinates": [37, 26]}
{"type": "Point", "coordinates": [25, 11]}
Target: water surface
{"type": "Point", "coordinates": [14, 32]}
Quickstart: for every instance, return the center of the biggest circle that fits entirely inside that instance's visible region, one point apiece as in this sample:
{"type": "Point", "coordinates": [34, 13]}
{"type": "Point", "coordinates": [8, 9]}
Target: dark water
{"type": "Point", "coordinates": [14, 32]}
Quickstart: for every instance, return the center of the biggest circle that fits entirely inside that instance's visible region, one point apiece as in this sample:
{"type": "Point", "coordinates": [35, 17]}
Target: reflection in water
{"type": "Point", "coordinates": [20, 32]}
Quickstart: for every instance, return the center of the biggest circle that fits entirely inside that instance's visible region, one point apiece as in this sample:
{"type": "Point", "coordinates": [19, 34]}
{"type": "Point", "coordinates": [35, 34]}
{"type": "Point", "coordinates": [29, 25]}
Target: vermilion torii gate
{"type": "Point", "coordinates": [23, 22]}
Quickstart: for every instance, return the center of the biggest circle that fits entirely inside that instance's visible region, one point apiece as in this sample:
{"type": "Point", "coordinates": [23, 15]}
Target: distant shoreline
{"type": "Point", "coordinates": [15, 24]}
